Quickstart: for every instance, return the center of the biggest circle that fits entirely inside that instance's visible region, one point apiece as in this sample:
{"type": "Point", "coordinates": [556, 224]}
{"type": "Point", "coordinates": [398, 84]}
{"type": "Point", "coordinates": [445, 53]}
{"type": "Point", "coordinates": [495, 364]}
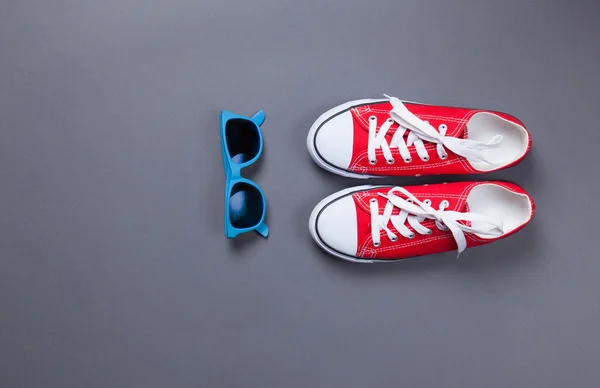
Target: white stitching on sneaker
{"type": "Point", "coordinates": [415, 212]}
{"type": "Point", "coordinates": [420, 131]}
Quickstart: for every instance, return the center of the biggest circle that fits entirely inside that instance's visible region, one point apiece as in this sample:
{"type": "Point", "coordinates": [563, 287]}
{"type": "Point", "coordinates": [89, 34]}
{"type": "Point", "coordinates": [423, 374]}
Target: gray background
{"type": "Point", "coordinates": [114, 271]}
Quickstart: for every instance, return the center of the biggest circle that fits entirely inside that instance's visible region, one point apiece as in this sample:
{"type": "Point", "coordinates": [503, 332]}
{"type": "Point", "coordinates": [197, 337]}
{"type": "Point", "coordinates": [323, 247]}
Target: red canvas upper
{"type": "Point", "coordinates": [439, 241]}
{"type": "Point", "coordinates": [455, 119]}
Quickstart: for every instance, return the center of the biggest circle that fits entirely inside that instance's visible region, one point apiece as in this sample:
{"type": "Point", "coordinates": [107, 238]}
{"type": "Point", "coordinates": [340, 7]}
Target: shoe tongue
{"type": "Point", "coordinates": [435, 115]}
{"type": "Point", "coordinates": [454, 193]}
{"type": "Point", "coordinates": [455, 204]}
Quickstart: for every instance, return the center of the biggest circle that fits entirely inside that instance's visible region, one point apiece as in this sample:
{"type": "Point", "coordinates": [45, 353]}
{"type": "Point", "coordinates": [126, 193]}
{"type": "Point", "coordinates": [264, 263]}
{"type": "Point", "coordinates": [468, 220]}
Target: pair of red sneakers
{"type": "Point", "coordinates": [389, 137]}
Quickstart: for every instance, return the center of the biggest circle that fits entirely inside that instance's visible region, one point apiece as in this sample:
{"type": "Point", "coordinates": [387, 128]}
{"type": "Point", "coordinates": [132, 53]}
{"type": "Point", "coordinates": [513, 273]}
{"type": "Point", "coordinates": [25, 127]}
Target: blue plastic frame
{"type": "Point", "coordinates": [233, 173]}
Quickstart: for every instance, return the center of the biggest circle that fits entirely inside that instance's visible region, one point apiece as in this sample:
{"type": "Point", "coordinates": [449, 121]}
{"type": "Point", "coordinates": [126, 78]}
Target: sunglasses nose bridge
{"type": "Point", "coordinates": [235, 171]}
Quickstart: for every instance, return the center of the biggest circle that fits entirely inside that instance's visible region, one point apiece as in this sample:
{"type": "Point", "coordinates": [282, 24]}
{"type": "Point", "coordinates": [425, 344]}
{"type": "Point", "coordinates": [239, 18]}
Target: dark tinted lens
{"type": "Point", "coordinates": [242, 140]}
{"type": "Point", "coordinates": [245, 206]}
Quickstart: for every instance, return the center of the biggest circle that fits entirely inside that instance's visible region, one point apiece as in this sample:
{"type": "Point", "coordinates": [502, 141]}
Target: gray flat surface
{"type": "Point", "coordinates": [114, 271]}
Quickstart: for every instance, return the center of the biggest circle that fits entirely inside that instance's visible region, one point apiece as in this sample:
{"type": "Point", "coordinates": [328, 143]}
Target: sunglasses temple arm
{"type": "Point", "coordinates": [262, 230]}
{"type": "Point", "coordinates": [259, 118]}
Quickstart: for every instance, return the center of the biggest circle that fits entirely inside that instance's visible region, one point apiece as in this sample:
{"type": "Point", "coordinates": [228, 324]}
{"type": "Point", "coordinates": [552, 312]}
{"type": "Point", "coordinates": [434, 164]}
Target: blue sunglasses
{"type": "Point", "coordinates": [245, 203]}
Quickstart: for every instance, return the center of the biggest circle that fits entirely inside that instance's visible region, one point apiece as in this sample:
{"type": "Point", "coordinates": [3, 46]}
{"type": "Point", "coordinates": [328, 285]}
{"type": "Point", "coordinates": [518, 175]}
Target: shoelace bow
{"type": "Point", "coordinates": [421, 131]}
{"type": "Point", "coordinates": [415, 212]}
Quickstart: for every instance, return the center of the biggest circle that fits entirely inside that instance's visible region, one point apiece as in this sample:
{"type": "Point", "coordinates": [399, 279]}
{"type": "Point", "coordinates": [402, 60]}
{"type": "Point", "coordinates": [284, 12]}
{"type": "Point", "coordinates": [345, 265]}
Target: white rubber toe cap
{"type": "Point", "coordinates": [337, 226]}
{"type": "Point", "coordinates": [334, 140]}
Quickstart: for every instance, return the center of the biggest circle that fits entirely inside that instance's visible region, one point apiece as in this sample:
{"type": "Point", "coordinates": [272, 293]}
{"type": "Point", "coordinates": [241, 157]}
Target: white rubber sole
{"type": "Point", "coordinates": [312, 225]}
{"type": "Point", "coordinates": [312, 222]}
{"type": "Point", "coordinates": [310, 140]}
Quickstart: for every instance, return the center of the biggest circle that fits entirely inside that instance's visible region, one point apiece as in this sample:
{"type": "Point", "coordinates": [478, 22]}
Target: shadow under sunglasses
{"type": "Point", "coordinates": [245, 203]}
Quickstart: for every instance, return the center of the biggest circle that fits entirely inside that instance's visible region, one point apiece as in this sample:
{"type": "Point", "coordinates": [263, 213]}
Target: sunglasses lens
{"type": "Point", "coordinates": [245, 206]}
{"type": "Point", "coordinates": [243, 141]}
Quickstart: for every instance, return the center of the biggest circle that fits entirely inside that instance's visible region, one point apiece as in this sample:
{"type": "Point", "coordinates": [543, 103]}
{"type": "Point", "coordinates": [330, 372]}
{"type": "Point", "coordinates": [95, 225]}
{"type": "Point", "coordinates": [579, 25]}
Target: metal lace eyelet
{"type": "Point", "coordinates": [444, 204]}
{"type": "Point", "coordinates": [390, 161]}
{"type": "Point", "coordinates": [372, 162]}
{"type": "Point", "coordinates": [427, 202]}
{"type": "Point", "coordinates": [394, 239]}
{"type": "Point", "coordinates": [373, 200]}
{"type": "Point", "coordinates": [407, 160]}
{"type": "Point", "coordinates": [429, 232]}
{"type": "Point", "coordinates": [412, 235]}
{"type": "Point", "coordinates": [443, 127]}
{"type": "Point", "coordinates": [372, 118]}
{"type": "Point", "coordinates": [444, 157]}
{"type": "Point", "coordinates": [376, 244]}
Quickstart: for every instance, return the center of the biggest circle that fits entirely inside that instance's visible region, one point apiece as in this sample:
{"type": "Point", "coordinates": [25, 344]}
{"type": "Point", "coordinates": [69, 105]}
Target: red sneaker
{"type": "Point", "coordinates": [389, 137]}
{"type": "Point", "coordinates": [386, 223]}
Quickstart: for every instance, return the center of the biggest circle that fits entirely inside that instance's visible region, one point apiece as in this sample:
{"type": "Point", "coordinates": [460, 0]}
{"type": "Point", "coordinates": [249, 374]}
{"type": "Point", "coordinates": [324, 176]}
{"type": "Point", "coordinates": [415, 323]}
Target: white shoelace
{"type": "Point", "coordinates": [415, 212]}
{"type": "Point", "coordinates": [419, 132]}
